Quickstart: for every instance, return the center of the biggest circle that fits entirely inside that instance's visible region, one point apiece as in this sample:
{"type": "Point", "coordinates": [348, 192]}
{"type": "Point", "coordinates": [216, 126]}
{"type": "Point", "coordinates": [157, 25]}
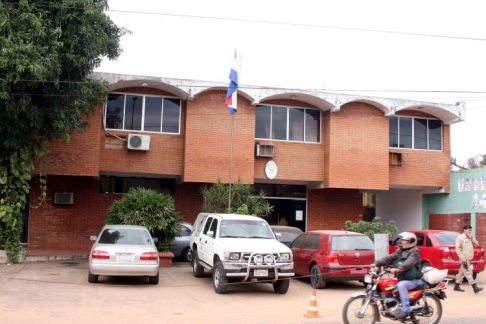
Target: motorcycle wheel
{"type": "Point", "coordinates": [350, 311]}
{"type": "Point", "coordinates": [433, 302]}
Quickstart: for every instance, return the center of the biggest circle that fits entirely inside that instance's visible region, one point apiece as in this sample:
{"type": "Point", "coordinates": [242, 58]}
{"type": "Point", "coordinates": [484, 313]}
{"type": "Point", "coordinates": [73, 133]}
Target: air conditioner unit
{"type": "Point", "coordinates": [266, 150]}
{"type": "Point", "coordinates": [138, 142]}
{"type": "Point", "coordinates": [64, 198]}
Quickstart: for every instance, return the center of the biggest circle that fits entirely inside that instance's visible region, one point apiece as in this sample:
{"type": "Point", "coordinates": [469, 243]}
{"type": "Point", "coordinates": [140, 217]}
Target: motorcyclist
{"type": "Point", "coordinates": [406, 262]}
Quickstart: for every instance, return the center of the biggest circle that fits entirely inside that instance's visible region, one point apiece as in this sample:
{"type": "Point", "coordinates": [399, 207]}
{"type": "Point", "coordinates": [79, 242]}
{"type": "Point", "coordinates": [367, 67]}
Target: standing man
{"type": "Point", "coordinates": [465, 244]}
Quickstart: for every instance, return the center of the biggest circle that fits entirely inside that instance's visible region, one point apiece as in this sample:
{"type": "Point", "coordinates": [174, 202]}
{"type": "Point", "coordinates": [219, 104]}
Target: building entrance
{"type": "Point", "coordinates": [288, 212]}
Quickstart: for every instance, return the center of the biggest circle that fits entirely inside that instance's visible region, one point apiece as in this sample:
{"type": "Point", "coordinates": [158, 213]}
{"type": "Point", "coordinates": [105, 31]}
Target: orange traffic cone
{"type": "Point", "coordinates": [312, 310]}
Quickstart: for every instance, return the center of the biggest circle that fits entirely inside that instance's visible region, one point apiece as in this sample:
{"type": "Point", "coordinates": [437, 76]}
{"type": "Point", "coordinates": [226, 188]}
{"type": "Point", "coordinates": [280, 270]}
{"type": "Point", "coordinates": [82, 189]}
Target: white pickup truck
{"type": "Point", "coordinates": [239, 248]}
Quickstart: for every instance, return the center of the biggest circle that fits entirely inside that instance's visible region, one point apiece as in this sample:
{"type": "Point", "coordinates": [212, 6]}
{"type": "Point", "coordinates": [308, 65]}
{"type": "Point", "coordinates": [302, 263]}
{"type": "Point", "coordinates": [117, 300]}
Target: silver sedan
{"type": "Point", "coordinates": [122, 250]}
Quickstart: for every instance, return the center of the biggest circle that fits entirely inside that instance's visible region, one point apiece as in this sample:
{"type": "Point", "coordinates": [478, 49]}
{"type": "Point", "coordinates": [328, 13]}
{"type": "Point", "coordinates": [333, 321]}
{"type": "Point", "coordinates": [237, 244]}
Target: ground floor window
{"type": "Point", "coordinates": [112, 184]}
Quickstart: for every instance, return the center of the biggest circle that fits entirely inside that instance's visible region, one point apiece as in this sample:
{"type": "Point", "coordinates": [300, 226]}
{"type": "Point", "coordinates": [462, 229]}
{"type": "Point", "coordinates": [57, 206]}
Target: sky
{"type": "Point", "coordinates": [316, 45]}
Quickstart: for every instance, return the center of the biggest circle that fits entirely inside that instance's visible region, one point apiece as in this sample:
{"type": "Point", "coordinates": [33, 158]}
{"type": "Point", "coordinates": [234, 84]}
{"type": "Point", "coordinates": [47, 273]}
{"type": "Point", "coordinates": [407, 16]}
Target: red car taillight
{"type": "Point", "coordinates": [331, 258]}
{"type": "Point", "coordinates": [98, 254]}
{"type": "Point", "coordinates": [446, 254]}
{"type": "Point", "coordinates": [148, 256]}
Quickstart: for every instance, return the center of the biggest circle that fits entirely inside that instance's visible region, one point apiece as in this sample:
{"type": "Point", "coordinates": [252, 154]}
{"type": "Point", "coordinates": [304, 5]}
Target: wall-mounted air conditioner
{"type": "Point", "coordinates": [138, 142]}
{"type": "Point", "coordinates": [64, 198]}
{"type": "Point", "coordinates": [265, 150]}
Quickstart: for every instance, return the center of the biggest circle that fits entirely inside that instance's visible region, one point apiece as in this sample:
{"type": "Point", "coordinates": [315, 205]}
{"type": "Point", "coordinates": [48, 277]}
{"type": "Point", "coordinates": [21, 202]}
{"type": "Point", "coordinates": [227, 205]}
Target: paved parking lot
{"type": "Point", "coordinates": [58, 292]}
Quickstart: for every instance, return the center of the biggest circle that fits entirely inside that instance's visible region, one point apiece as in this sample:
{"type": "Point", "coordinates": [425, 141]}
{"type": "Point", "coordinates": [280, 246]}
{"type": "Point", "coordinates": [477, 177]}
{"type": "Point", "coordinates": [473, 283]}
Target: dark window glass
{"type": "Point", "coordinates": [297, 243]}
{"type": "Point", "coordinates": [312, 126]}
{"type": "Point", "coordinates": [429, 242]}
{"type": "Point", "coordinates": [127, 236]}
{"type": "Point", "coordinates": [279, 123]}
{"type": "Point", "coordinates": [133, 112]}
{"type": "Point", "coordinates": [114, 111]}
{"type": "Point", "coordinates": [420, 239]}
{"type": "Point", "coordinates": [246, 229]}
{"type": "Point", "coordinates": [184, 231]}
{"type": "Point", "coordinates": [405, 132]}
{"type": "Point", "coordinates": [351, 243]}
{"type": "Point", "coordinates": [170, 120]}
{"type": "Point", "coordinates": [262, 122]}
{"type": "Point", "coordinates": [446, 238]}
{"type": "Point", "coordinates": [214, 226]}
{"type": "Point", "coordinates": [153, 114]}
{"type": "Point", "coordinates": [312, 242]}
{"type": "Point", "coordinates": [393, 131]}
{"type": "Point", "coordinates": [435, 134]}
{"type": "Point", "coordinates": [110, 184]}
{"type": "Point", "coordinates": [420, 133]}
{"type": "Point", "coordinates": [208, 223]}
{"type": "Point", "coordinates": [296, 124]}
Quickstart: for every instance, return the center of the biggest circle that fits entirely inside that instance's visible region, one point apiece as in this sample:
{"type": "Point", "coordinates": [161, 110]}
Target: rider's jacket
{"type": "Point", "coordinates": [407, 261]}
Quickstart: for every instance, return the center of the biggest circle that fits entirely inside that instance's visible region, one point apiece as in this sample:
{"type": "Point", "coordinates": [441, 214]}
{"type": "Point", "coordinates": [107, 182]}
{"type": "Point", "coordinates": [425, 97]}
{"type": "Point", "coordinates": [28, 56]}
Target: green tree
{"type": "Point", "coordinates": [244, 199]}
{"type": "Point", "coordinates": [149, 208]}
{"type": "Point", "coordinates": [48, 50]}
{"type": "Point", "coordinates": [372, 228]}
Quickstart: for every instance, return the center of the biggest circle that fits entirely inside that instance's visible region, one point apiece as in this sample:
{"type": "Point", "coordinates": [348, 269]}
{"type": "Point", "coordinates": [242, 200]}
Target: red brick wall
{"type": "Point", "coordinates": [329, 209]}
{"type": "Point", "coordinates": [450, 222]}
{"type": "Point", "coordinates": [295, 161]}
{"type": "Point", "coordinates": [207, 147]}
{"type": "Point", "coordinates": [481, 228]}
{"type": "Point", "coordinates": [188, 201]}
{"type": "Point", "coordinates": [358, 148]}
{"type": "Point", "coordinates": [423, 168]}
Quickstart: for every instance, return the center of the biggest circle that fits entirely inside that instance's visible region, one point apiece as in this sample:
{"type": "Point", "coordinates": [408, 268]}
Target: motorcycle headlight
{"type": "Point", "coordinates": [285, 257]}
{"type": "Point", "coordinates": [258, 259]}
{"type": "Point", "coordinates": [367, 279]}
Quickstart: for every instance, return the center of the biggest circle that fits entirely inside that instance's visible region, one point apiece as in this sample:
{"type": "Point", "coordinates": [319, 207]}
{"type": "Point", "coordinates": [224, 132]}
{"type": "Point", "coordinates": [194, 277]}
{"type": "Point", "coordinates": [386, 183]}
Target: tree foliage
{"type": "Point", "coordinates": [48, 50]}
{"type": "Point", "coordinates": [149, 208]}
{"type": "Point", "coordinates": [244, 199]}
{"type": "Point", "coordinates": [372, 228]}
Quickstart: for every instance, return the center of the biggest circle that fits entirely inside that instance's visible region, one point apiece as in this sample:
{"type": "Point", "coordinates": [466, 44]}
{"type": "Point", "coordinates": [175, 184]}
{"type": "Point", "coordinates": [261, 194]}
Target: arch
{"type": "Point", "coordinates": [201, 90]}
{"type": "Point", "coordinates": [375, 103]}
{"type": "Point", "coordinates": [441, 113]}
{"type": "Point", "coordinates": [150, 84]}
{"type": "Point", "coordinates": [314, 101]}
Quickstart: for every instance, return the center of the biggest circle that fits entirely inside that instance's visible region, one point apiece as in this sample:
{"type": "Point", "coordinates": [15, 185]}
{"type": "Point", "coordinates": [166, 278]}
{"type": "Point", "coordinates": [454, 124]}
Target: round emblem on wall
{"type": "Point", "coordinates": [271, 170]}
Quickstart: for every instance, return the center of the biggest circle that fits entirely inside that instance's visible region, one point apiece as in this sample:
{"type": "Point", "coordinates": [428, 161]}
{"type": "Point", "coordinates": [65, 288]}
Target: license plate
{"type": "Point", "coordinates": [261, 273]}
{"type": "Point", "coordinates": [125, 257]}
{"type": "Point", "coordinates": [367, 279]}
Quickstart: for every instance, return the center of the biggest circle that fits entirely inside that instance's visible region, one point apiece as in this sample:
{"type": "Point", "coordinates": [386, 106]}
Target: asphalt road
{"type": "Point", "coordinates": [58, 292]}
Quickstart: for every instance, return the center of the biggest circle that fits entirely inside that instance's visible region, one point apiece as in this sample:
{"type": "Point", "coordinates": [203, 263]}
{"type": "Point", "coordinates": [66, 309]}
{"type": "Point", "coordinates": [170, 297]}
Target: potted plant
{"type": "Point", "coordinates": [152, 209]}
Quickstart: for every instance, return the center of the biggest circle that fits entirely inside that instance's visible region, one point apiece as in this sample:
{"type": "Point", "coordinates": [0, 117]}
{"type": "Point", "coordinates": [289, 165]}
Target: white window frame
{"type": "Point", "coordinates": [413, 134]}
{"type": "Point", "coordinates": [143, 113]}
{"type": "Point", "coordinates": [288, 124]}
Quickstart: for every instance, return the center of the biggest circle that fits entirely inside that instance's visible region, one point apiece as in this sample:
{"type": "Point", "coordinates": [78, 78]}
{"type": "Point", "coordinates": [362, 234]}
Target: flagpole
{"type": "Point", "coordinates": [231, 161]}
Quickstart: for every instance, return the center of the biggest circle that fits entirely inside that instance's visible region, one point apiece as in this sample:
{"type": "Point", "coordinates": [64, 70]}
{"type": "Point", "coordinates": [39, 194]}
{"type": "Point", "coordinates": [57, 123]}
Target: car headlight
{"type": "Point", "coordinates": [268, 259]}
{"type": "Point", "coordinates": [258, 259]}
{"type": "Point", "coordinates": [285, 257]}
{"type": "Point", "coordinates": [232, 256]}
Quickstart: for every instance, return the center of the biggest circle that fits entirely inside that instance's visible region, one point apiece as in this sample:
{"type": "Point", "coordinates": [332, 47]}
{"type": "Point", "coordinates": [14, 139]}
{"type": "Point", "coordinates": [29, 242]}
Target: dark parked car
{"type": "Point", "coordinates": [439, 251]}
{"type": "Point", "coordinates": [180, 245]}
{"type": "Point", "coordinates": [332, 256]}
{"type": "Point", "coordinates": [287, 233]}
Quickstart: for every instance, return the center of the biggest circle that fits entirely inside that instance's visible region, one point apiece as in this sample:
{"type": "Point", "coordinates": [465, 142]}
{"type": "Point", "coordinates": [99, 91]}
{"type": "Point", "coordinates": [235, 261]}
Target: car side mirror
{"type": "Point", "coordinates": [278, 236]}
{"type": "Point", "coordinates": [93, 237]}
{"type": "Point", "coordinates": [210, 233]}
{"type": "Point", "coordinates": [156, 240]}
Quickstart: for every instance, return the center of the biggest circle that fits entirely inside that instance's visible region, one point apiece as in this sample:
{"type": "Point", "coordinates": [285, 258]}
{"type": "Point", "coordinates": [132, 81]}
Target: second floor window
{"type": "Point", "coordinates": [416, 133]}
{"type": "Point", "coordinates": [143, 113]}
{"type": "Point", "coordinates": [288, 124]}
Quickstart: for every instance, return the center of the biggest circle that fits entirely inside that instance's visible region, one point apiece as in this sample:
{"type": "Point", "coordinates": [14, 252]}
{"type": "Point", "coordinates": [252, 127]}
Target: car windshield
{"type": "Point", "coordinates": [126, 236]}
{"type": "Point", "coordinates": [446, 238]}
{"type": "Point", "coordinates": [351, 243]}
{"type": "Point", "coordinates": [238, 228]}
{"type": "Point", "coordinates": [288, 235]}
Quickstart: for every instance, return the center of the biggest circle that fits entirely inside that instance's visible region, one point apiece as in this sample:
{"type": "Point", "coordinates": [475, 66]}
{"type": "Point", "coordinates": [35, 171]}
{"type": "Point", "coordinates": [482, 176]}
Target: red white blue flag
{"type": "Point", "coordinates": [231, 102]}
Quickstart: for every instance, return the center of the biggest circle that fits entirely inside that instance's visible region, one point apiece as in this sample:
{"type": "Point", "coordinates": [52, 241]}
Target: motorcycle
{"type": "Point", "coordinates": [381, 298]}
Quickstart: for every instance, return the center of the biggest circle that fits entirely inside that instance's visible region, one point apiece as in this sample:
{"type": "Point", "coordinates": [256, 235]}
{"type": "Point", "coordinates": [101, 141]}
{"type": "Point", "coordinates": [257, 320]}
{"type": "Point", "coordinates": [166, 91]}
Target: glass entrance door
{"type": "Point", "coordinates": [288, 212]}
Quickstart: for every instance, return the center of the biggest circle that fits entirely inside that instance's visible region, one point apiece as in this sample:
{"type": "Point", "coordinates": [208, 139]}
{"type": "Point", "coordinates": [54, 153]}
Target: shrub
{"type": "Point", "coordinates": [373, 227]}
{"type": "Point", "coordinates": [149, 208]}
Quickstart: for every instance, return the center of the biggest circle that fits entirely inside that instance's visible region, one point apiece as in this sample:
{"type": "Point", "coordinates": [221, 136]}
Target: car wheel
{"type": "Point", "coordinates": [219, 279]}
{"type": "Point", "coordinates": [92, 278]}
{"type": "Point", "coordinates": [154, 280]}
{"type": "Point", "coordinates": [316, 277]}
{"type": "Point", "coordinates": [281, 286]}
{"type": "Point", "coordinates": [197, 269]}
{"type": "Point", "coordinates": [187, 255]}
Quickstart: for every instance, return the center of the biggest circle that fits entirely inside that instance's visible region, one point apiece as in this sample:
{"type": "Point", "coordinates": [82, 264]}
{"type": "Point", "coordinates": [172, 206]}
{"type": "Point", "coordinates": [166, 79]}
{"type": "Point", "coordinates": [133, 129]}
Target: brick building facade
{"type": "Point", "coordinates": [329, 149]}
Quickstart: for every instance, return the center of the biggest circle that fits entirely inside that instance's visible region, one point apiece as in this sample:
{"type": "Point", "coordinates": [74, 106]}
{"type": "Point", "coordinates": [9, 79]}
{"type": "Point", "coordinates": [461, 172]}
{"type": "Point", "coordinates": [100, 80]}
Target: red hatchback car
{"type": "Point", "coordinates": [332, 256]}
{"type": "Point", "coordinates": [439, 251]}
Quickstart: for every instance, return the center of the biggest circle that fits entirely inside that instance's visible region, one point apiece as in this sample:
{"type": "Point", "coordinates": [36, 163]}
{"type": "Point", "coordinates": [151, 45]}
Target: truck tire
{"type": "Point", "coordinates": [281, 286]}
{"type": "Point", "coordinates": [219, 279]}
{"type": "Point", "coordinates": [197, 269]}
